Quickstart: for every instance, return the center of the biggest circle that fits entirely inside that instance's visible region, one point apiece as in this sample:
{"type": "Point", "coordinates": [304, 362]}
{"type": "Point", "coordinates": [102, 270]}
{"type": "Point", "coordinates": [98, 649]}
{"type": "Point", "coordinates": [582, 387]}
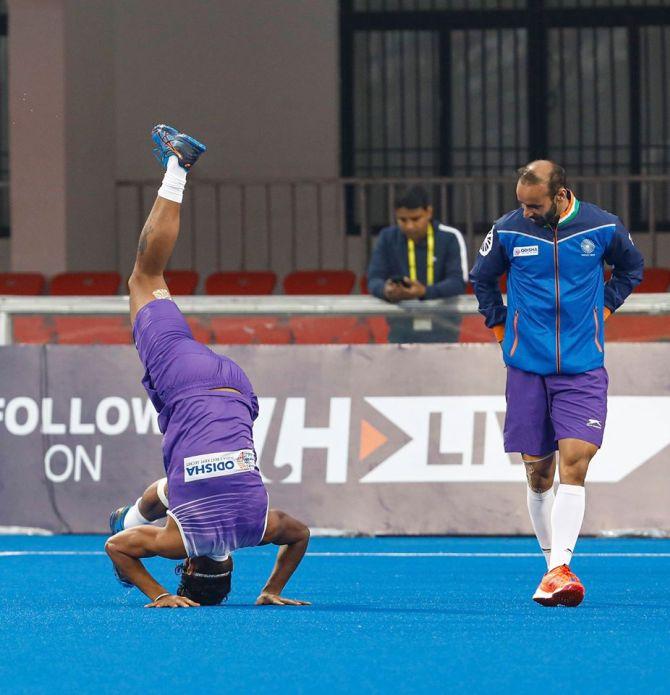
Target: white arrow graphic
{"type": "Point", "coordinates": [637, 429]}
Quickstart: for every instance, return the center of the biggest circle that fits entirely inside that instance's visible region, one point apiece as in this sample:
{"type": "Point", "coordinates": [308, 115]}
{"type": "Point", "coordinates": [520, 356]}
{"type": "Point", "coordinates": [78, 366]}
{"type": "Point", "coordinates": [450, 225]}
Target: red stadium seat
{"type": "Point", "coordinates": [631, 328]}
{"type": "Point", "coordinates": [363, 284]}
{"type": "Point", "coordinates": [379, 328]}
{"type": "Point", "coordinates": [502, 282]}
{"type": "Point", "coordinates": [316, 330]}
{"type": "Point", "coordinates": [85, 284]}
{"type": "Point", "coordinates": [85, 330]}
{"type": "Point", "coordinates": [181, 282]}
{"type": "Point", "coordinates": [473, 330]}
{"type": "Point", "coordinates": [243, 282]}
{"type": "Point", "coordinates": [319, 282]}
{"type": "Point", "coordinates": [200, 328]}
{"type": "Point", "coordinates": [654, 280]}
{"type": "Point", "coordinates": [32, 329]}
{"type": "Point", "coordinates": [21, 283]}
{"type": "Point", "coordinates": [244, 330]}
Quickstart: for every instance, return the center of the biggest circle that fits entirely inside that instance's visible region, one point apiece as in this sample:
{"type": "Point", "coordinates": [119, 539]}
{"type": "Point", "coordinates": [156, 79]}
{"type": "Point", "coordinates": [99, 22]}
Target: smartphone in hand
{"type": "Point", "coordinates": [400, 280]}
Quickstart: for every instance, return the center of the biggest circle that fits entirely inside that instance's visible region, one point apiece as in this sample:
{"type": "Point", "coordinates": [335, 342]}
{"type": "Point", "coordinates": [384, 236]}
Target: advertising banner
{"type": "Point", "coordinates": [389, 439]}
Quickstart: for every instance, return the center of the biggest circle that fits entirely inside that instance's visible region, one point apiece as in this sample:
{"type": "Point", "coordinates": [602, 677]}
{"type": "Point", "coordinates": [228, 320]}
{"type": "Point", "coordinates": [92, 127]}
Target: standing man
{"type": "Point", "coordinates": [551, 331]}
{"type": "Point", "coordinates": [418, 258]}
{"type": "Point", "coordinates": [206, 408]}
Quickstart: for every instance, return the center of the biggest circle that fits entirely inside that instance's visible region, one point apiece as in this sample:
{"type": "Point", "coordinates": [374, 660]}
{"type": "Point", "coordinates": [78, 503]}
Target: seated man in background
{"type": "Point", "coordinates": [418, 258]}
{"type": "Point", "coordinates": [206, 407]}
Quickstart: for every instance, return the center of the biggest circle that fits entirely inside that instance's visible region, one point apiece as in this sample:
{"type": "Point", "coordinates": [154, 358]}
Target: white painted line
{"type": "Point", "coordinates": [466, 555]}
{"type": "Point", "coordinates": [85, 553]}
{"type": "Point", "coordinates": [55, 553]}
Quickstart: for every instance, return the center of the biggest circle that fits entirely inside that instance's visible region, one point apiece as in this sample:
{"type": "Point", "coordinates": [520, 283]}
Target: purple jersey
{"type": "Point", "coordinates": [216, 493]}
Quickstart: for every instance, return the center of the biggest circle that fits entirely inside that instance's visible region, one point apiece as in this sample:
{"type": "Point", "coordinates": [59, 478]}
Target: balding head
{"type": "Point", "coordinates": [543, 171]}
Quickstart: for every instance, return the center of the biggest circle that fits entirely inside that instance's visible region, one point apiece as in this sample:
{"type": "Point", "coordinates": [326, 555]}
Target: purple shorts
{"type": "Point", "coordinates": [541, 410]}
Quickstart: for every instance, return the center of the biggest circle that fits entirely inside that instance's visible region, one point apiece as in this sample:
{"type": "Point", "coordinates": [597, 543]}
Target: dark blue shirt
{"type": "Point", "coordinates": [450, 266]}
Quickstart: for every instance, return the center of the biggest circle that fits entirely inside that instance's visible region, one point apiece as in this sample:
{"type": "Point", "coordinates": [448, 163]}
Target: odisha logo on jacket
{"type": "Point", "coordinates": [588, 247]}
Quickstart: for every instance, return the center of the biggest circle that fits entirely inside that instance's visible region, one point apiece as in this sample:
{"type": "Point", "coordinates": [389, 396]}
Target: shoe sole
{"type": "Point", "coordinates": [571, 595]}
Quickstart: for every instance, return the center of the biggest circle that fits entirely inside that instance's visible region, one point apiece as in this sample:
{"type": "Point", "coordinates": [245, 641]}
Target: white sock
{"type": "Point", "coordinates": [133, 516]}
{"type": "Point", "coordinates": [566, 523]}
{"type": "Point", "coordinates": [174, 181]}
{"type": "Point", "coordinates": [540, 505]}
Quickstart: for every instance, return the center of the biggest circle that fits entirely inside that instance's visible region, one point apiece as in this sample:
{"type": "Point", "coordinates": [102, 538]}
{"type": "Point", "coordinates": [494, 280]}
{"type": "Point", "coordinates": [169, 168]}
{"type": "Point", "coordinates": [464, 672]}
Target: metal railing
{"type": "Point", "coordinates": [278, 305]}
{"type": "Point", "coordinates": [284, 225]}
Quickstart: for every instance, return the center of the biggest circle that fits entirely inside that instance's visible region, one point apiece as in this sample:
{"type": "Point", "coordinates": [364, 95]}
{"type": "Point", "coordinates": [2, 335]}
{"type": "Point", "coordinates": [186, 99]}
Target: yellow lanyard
{"type": "Point", "coordinates": [430, 257]}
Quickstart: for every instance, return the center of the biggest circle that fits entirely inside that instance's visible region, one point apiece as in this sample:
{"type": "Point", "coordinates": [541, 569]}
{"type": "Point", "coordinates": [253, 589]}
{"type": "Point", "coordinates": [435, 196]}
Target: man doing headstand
{"type": "Point", "coordinates": [206, 407]}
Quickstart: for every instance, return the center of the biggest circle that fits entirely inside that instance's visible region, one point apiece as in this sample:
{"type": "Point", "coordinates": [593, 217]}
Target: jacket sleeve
{"type": "Point", "coordinates": [628, 266]}
{"type": "Point", "coordinates": [379, 269]}
{"type": "Point", "coordinates": [491, 263]}
{"type": "Point", "coordinates": [455, 271]}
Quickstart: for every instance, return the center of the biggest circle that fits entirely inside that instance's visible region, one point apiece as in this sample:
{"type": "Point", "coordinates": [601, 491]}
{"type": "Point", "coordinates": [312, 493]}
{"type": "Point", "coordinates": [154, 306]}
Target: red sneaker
{"type": "Point", "coordinates": [560, 587]}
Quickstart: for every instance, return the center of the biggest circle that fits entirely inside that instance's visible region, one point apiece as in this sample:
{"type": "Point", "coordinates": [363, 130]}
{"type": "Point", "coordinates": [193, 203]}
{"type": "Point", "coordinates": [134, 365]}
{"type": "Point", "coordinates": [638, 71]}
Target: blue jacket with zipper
{"type": "Point", "coordinates": [556, 292]}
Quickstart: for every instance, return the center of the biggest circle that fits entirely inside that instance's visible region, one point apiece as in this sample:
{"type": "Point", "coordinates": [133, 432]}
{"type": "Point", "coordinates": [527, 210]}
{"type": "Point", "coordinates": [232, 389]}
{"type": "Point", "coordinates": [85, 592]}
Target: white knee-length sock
{"type": "Point", "coordinates": [174, 181]}
{"type": "Point", "coordinates": [134, 517]}
{"type": "Point", "coordinates": [540, 505]}
{"type": "Point", "coordinates": [566, 523]}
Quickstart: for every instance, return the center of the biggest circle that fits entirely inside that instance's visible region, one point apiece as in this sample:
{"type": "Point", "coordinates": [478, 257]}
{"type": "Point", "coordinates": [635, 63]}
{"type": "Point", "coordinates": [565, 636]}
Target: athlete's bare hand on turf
{"type": "Point", "coordinates": [266, 599]}
{"type": "Point", "coordinates": [172, 601]}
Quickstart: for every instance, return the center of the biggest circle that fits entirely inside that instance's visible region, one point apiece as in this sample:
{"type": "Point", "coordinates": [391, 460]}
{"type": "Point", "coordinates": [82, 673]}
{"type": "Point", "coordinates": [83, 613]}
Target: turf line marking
{"type": "Point", "coordinates": [56, 553]}
{"type": "Point", "coordinates": [483, 555]}
{"type": "Point", "coordinates": [85, 553]}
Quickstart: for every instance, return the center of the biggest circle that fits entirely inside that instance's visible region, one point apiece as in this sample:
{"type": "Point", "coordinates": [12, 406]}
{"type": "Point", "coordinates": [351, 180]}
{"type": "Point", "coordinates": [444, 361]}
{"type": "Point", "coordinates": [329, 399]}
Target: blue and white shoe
{"type": "Point", "coordinates": [116, 526]}
{"type": "Point", "coordinates": [116, 519]}
{"type": "Point", "coordinates": [170, 143]}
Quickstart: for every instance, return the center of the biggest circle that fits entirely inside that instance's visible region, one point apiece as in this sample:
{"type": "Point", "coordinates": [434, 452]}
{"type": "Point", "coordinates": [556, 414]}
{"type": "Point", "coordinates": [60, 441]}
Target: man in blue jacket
{"type": "Point", "coordinates": [552, 248]}
{"type": "Point", "coordinates": [418, 258]}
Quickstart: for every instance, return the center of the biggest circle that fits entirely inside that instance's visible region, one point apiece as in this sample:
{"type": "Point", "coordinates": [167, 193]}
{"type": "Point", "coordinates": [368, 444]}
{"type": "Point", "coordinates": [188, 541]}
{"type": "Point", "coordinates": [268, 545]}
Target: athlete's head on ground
{"type": "Point", "coordinates": [542, 191]}
{"type": "Point", "coordinates": [204, 580]}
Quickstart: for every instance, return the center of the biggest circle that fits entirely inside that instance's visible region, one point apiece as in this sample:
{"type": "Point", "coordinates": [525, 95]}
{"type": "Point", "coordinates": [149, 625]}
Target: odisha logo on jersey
{"type": "Point", "coordinates": [588, 247]}
{"type": "Point", "coordinates": [487, 244]}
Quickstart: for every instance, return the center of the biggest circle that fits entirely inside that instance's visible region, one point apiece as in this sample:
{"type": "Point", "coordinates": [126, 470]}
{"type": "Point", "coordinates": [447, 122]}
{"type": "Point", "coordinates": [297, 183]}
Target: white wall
{"type": "Point", "coordinates": [257, 80]}
{"type": "Point", "coordinates": [90, 135]}
{"type": "Point", "coordinates": [37, 158]}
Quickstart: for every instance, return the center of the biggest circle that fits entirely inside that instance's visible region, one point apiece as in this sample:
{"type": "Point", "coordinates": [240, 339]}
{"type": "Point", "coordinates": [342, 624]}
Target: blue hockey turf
{"type": "Point", "coordinates": [405, 615]}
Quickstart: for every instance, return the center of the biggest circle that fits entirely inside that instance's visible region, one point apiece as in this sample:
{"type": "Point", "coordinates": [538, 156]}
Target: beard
{"type": "Point", "coordinates": [550, 218]}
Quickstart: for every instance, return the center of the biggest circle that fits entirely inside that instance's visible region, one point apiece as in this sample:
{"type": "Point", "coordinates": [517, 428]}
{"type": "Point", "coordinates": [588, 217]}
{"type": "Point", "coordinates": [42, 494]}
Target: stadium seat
{"type": "Point", "coordinates": [363, 284]}
{"type": "Point", "coordinates": [32, 329]}
{"type": "Point", "coordinates": [181, 282]}
{"type": "Point", "coordinates": [200, 328]}
{"type": "Point", "coordinates": [316, 330]}
{"type": "Point", "coordinates": [631, 328]}
{"type": "Point", "coordinates": [85, 330]}
{"type": "Point", "coordinates": [474, 330]}
{"type": "Point", "coordinates": [319, 282]}
{"type": "Point", "coordinates": [21, 283]}
{"type": "Point", "coordinates": [654, 280]}
{"type": "Point", "coordinates": [243, 282]}
{"type": "Point", "coordinates": [379, 329]}
{"type": "Point", "coordinates": [85, 284]}
{"type": "Point", "coordinates": [244, 330]}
